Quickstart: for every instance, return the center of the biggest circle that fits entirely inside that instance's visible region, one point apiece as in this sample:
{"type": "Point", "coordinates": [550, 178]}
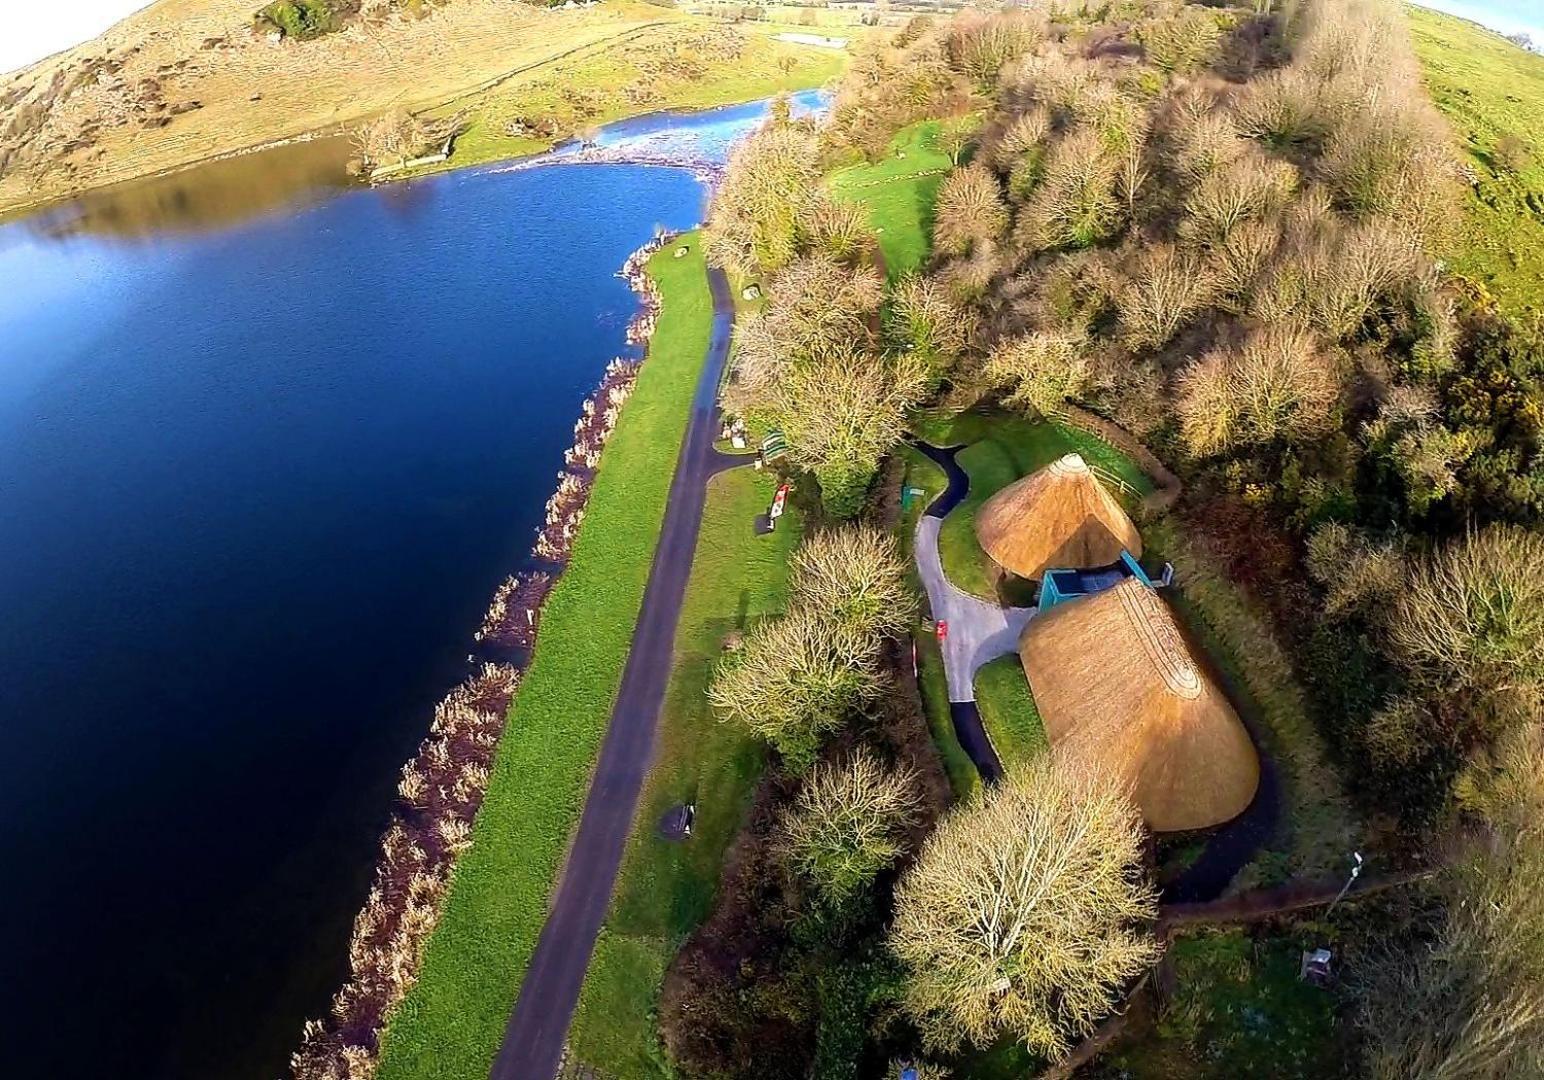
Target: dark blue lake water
{"type": "Point", "coordinates": [258, 480]}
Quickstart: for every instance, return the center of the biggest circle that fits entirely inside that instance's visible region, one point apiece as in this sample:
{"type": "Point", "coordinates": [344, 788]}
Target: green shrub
{"type": "Point", "coordinates": [302, 19]}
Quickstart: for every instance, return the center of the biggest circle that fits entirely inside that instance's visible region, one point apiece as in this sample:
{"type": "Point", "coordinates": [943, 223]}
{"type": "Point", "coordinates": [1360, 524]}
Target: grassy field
{"type": "Point", "coordinates": [1491, 90]}
{"type": "Point", "coordinates": [451, 1022]}
{"type": "Point", "coordinates": [676, 65]}
{"type": "Point", "coordinates": [187, 80]}
{"type": "Point", "coordinates": [1008, 711]}
{"type": "Point", "coordinates": [1001, 447]}
{"type": "Point", "coordinates": [1319, 827]}
{"type": "Point", "coordinates": [899, 193]}
{"type": "Point", "coordinates": [666, 889]}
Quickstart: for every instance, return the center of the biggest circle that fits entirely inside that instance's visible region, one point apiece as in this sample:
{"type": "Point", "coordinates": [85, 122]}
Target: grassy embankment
{"type": "Point", "coordinates": [451, 1022]}
{"type": "Point", "coordinates": [1490, 90]}
{"type": "Point", "coordinates": [1000, 449]}
{"type": "Point", "coordinates": [1008, 711]}
{"type": "Point", "coordinates": [666, 889]}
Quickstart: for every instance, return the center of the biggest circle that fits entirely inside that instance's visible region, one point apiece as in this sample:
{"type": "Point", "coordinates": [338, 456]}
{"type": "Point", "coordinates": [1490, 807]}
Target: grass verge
{"type": "Point", "coordinates": [666, 889]}
{"type": "Point", "coordinates": [451, 1022]}
{"type": "Point", "coordinates": [1009, 713]}
{"type": "Point", "coordinates": [899, 193]}
{"type": "Point", "coordinates": [1001, 448]}
{"type": "Point", "coordinates": [1490, 90]}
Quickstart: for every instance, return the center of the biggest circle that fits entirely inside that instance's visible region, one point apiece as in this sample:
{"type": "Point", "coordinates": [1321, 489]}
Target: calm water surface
{"type": "Point", "coordinates": [262, 463]}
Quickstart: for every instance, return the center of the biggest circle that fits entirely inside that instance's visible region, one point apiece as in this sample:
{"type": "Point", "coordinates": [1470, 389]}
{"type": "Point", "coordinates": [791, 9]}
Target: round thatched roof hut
{"type": "Point", "coordinates": [1116, 686]}
{"type": "Point", "coordinates": [1061, 516]}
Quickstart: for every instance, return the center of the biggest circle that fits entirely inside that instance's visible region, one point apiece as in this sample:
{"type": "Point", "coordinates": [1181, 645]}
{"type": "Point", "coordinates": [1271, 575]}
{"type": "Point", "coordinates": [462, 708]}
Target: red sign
{"type": "Point", "coordinates": [778, 501]}
{"type": "Point", "coordinates": [943, 629]}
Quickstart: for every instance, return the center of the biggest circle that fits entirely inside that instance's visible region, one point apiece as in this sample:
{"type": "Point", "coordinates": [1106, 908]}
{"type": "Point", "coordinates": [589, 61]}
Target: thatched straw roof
{"type": "Point", "coordinates": [1058, 517]}
{"type": "Point", "coordinates": [1116, 685]}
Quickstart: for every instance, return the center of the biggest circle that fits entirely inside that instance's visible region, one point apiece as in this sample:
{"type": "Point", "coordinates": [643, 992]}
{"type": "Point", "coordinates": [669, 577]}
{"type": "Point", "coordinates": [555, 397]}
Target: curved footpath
{"type": "Point", "coordinates": [978, 630]}
{"type": "Point", "coordinates": [534, 1037]}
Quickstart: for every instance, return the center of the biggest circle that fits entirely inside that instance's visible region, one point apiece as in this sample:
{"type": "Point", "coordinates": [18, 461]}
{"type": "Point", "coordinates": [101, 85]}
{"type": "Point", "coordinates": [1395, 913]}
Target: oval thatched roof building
{"type": "Point", "coordinates": [1116, 686]}
{"type": "Point", "coordinates": [1058, 517]}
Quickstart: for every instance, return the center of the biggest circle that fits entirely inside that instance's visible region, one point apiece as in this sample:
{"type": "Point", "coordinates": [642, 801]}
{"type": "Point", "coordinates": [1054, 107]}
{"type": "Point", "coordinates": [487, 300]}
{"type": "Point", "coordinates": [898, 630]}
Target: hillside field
{"type": "Point", "coordinates": [183, 81]}
{"type": "Point", "coordinates": [1492, 93]}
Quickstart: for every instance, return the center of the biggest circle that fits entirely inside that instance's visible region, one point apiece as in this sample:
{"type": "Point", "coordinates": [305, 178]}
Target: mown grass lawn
{"type": "Point", "coordinates": [1490, 89]}
{"type": "Point", "coordinates": [451, 1022]}
{"type": "Point", "coordinates": [899, 192]}
{"type": "Point", "coordinates": [1008, 711]}
{"type": "Point", "coordinates": [1002, 447]}
{"type": "Point", "coordinates": [666, 889]}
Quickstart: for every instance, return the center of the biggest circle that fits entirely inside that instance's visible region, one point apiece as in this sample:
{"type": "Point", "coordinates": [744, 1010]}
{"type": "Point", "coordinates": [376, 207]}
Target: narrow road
{"type": "Point", "coordinates": [533, 1040]}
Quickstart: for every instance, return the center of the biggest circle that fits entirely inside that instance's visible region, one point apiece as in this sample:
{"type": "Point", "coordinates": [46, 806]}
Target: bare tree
{"type": "Point", "coordinates": [842, 416]}
{"type": "Point", "coordinates": [856, 576]}
{"type": "Point", "coordinates": [796, 679]}
{"type": "Point", "coordinates": [1279, 385]}
{"type": "Point", "coordinates": [848, 824]}
{"type": "Point", "coordinates": [970, 210]}
{"type": "Point", "coordinates": [1023, 913]}
{"type": "Point", "coordinates": [1166, 289]}
{"type": "Point", "coordinates": [926, 320]}
{"type": "Point", "coordinates": [1473, 615]}
{"type": "Point", "coordinates": [1041, 370]}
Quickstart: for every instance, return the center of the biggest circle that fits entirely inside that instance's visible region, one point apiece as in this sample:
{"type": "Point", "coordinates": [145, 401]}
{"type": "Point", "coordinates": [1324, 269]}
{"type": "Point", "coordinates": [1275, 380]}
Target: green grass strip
{"type": "Point", "coordinates": [666, 889]}
{"type": "Point", "coordinates": [451, 1023]}
{"type": "Point", "coordinates": [1009, 712]}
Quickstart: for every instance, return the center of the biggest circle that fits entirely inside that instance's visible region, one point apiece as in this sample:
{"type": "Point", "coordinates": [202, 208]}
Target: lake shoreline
{"type": "Point", "coordinates": [534, 158]}
{"type": "Point", "coordinates": [444, 783]}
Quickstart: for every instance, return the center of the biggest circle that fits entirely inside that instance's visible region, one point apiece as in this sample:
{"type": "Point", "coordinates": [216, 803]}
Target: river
{"type": "Point", "coordinates": [267, 444]}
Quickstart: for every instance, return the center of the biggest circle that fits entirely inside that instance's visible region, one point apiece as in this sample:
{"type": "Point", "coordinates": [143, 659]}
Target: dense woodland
{"type": "Point", "coordinates": [1213, 226]}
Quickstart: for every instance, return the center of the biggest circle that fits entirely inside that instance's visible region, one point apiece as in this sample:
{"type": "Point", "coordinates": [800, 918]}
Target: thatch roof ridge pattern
{"type": "Point", "coordinates": [1058, 516]}
{"type": "Point", "coordinates": [1118, 689]}
{"type": "Point", "coordinates": [1160, 640]}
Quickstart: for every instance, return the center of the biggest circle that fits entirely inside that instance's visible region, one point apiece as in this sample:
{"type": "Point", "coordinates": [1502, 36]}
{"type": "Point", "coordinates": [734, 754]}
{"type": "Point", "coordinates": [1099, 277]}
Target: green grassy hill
{"type": "Point", "coordinates": [1492, 93]}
